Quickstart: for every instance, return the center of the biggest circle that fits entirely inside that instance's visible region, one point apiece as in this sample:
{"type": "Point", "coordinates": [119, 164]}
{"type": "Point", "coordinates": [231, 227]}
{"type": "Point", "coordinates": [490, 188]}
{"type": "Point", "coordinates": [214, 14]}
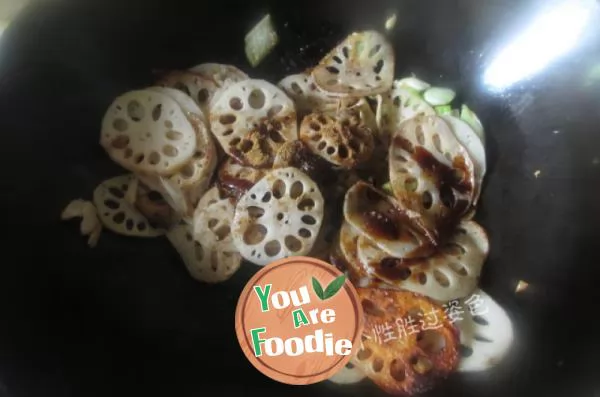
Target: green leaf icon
{"type": "Point", "coordinates": [317, 288]}
{"type": "Point", "coordinates": [334, 287]}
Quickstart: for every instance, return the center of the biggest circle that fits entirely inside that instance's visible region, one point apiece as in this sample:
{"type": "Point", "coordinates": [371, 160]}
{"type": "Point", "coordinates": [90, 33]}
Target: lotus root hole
{"type": "Point", "coordinates": [187, 171]}
{"type": "Point", "coordinates": [346, 52]}
{"type": "Point", "coordinates": [343, 151]}
{"type": "Point", "coordinates": [212, 223]}
{"type": "Point", "coordinates": [397, 370]}
{"type": "Point", "coordinates": [306, 204]}
{"type": "Point", "coordinates": [189, 237]}
{"type": "Point", "coordinates": [431, 341]}
{"type": "Point", "coordinates": [459, 268]}
{"type": "Point", "coordinates": [296, 190]}
{"type": "Point", "coordinates": [330, 150]}
{"type": "Point", "coordinates": [222, 232]}
{"type": "Point", "coordinates": [139, 158]}
{"type": "Point", "coordinates": [374, 50]}
{"type": "Point", "coordinates": [333, 70]}
{"type": "Point", "coordinates": [120, 142]}
{"type": "Point", "coordinates": [236, 103]}
{"type": "Point", "coordinates": [447, 196]}
{"type": "Point", "coordinates": [274, 111]}
{"type": "Point", "coordinates": [174, 135]}
{"type": "Point", "coordinates": [332, 82]}
{"type": "Point", "coordinates": [465, 351]}
{"type": "Point", "coordinates": [480, 320]}
{"type": "Point", "coordinates": [292, 243]}
{"type": "Point", "coordinates": [364, 354]}
{"type": "Point", "coordinates": [117, 192]}
{"type": "Point", "coordinates": [198, 251]}
{"type": "Point", "coordinates": [203, 95]}
{"type": "Point", "coordinates": [427, 200]}
{"type": "Point", "coordinates": [272, 248]}
{"type": "Point", "coordinates": [227, 119]}
{"type": "Point", "coordinates": [168, 124]}
{"type": "Point", "coordinates": [455, 249]}
{"type": "Point", "coordinates": [349, 365]}
{"type": "Point", "coordinates": [246, 146]}
{"type": "Point", "coordinates": [129, 224]}
{"type": "Point", "coordinates": [422, 278]}
{"type": "Point", "coordinates": [141, 226]}
{"type": "Point", "coordinates": [235, 141]}
{"type": "Point", "coordinates": [170, 150]}
{"type": "Point", "coordinates": [371, 308]}
{"type": "Point", "coordinates": [296, 88]}
{"type": "Point", "coordinates": [305, 233]}
{"type": "Point", "coordinates": [420, 135]}
{"type": "Point", "coordinates": [421, 364]}
{"type": "Point", "coordinates": [112, 204]}
{"type": "Point", "coordinates": [316, 137]}
{"type": "Point", "coordinates": [437, 143]}
{"type": "Point", "coordinates": [254, 234]}
{"type": "Point", "coordinates": [314, 126]}
{"type": "Point", "coordinates": [119, 217]}
{"type": "Point", "coordinates": [321, 145]}
{"type": "Point", "coordinates": [377, 364]}
{"type": "Point", "coordinates": [120, 125]}
{"type": "Point", "coordinates": [441, 278]}
{"type": "Point", "coordinates": [156, 112]}
{"type": "Point", "coordinates": [128, 153]}
{"type": "Point", "coordinates": [481, 338]}
{"type": "Point", "coordinates": [154, 158]}
{"type": "Point", "coordinates": [309, 220]}
{"type": "Point", "coordinates": [278, 189]}
{"type": "Point", "coordinates": [275, 136]}
{"type": "Point", "coordinates": [256, 99]}
{"type": "Point", "coordinates": [135, 110]}
{"type": "Point", "coordinates": [280, 216]}
{"type": "Point", "coordinates": [181, 87]}
{"type": "Point", "coordinates": [396, 101]}
{"type": "Point", "coordinates": [255, 212]}
{"type": "Point", "coordinates": [266, 197]}
{"type": "Point", "coordinates": [411, 184]}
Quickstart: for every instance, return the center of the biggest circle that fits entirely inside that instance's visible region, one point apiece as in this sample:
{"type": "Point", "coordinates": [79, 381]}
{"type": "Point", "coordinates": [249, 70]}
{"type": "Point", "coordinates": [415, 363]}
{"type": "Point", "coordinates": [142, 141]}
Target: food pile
{"type": "Point", "coordinates": [379, 176]}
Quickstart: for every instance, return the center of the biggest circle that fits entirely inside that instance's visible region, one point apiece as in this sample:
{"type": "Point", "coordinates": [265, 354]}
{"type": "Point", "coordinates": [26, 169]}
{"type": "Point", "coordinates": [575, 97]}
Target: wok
{"type": "Point", "coordinates": [126, 318]}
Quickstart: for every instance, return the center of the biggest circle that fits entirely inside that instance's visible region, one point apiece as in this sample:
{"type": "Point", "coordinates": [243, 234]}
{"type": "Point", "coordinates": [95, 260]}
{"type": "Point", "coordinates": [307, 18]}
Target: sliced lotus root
{"type": "Point", "coordinates": [117, 214]}
{"type": "Point", "coordinates": [408, 344]}
{"type": "Point", "coordinates": [187, 103]}
{"type": "Point", "coordinates": [235, 179]}
{"type": "Point", "coordinates": [210, 254]}
{"type": "Point", "coordinates": [296, 154]}
{"type": "Point", "coordinates": [452, 272]}
{"type": "Point", "coordinates": [153, 206]}
{"type": "Point", "coordinates": [199, 87]}
{"type": "Point", "coordinates": [279, 216]}
{"type": "Point", "coordinates": [474, 146]}
{"type": "Point", "coordinates": [251, 120]}
{"type": "Point", "coordinates": [431, 173]}
{"type": "Point", "coordinates": [486, 331]}
{"type": "Point", "coordinates": [146, 131]}
{"type": "Point", "coordinates": [306, 95]}
{"type": "Point", "coordinates": [346, 255]}
{"type": "Point", "coordinates": [344, 140]}
{"type": "Point", "coordinates": [361, 65]}
{"type": "Point", "coordinates": [221, 74]}
{"type": "Point", "coordinates": [385, 222]}
{"type": "Point", "coordinates": [350, 374]}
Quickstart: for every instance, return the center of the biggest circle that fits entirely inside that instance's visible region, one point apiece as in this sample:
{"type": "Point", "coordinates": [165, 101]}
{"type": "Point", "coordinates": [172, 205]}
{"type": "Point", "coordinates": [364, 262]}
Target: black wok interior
{"type": "Point", "coordinates": [126, 318]}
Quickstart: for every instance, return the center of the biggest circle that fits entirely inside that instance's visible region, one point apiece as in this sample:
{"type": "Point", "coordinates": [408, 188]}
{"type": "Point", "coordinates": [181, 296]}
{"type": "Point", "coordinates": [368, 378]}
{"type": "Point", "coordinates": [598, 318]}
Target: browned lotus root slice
{"type": "Point", "coordinates": [235, 179]}
{"type": "Point", "coordinates": [431, 173]}
{"type": "Point", "coordinates": [408, 343]}
{"type": "Point", "coordinates": [344, 140]}
{"type": "Point", "coordinates": [152, 205]}
{"type": "Point", "coordinates": [345, 254]}
{"type": "Point", "coordinates": [383, 220]}
{"type": "Point", "coordinates": [251, 119]}
{"type": "Point", "coordinates": [361, 65]}
{"type": "Point", "coordinates": [199, 87]}
{"type": "Point", "coordinates": [220, 73]}
{"type": "Point", "coordinates": [296, 154]}
{"type": "Point", "coordinates": [306, 95]}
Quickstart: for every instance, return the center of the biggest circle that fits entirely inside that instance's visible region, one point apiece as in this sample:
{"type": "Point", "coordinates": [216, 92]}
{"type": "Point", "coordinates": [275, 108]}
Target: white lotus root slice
{"type": "Point", "coordinates": [220, 73]}
{"type": "Point", "coordinates": [486, 334]}
{"type": "Point", "coordinates": [344, 140]}
{"type": "Point", "coordinates": [90, 224]}
{"type": "Point", "coordinates": [361, 65]}
{"type": "Point", "coordinates": [452, 272]}
{"type": "Point", "coordinates": [251, 120]}
{"type": "Point", "coordinates": [306, 95]}
{"type": "Point", "coordinates": [235, 179]}
{"type": "Point", "coordinates": [474, 146]}
{"type": "Point", "coordinates": [199, 87]}
{"type": "Point", "coordinates": [348, 375]}
{"type": "Point", "coordinates": [383, 221]}
{"type": "Point", "coordinates": [207, 246]}
{"type": "Point", "coordinates": [280, 216]}
{"type": "Point", "coordinates": [117, 214]}
{"type": "Point", "coordinates": [146, 131]}
{"type": "Point", "coordinates": [431, 173]}
{"type": "Point", "coordinates": [345, 255]}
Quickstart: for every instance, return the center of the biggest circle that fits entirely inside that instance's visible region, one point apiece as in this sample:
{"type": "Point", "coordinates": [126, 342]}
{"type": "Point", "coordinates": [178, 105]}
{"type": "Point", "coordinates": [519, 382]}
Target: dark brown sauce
{"type": "Point", "coordinates": [447, 176]}
{"type": "Point", "coordinates": [313, 165]}
{"type": "Point", "coordinates": [382, 225]}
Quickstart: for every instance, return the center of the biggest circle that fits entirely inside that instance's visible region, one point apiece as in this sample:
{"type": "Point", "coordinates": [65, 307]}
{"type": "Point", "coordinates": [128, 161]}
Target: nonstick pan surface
{"type": "Point", "coordinates": [126, 318]}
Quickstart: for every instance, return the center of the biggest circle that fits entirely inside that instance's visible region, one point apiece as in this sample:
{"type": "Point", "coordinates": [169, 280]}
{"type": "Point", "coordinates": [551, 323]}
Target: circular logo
{"type": "Point", "coordinates": [299, 321]}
